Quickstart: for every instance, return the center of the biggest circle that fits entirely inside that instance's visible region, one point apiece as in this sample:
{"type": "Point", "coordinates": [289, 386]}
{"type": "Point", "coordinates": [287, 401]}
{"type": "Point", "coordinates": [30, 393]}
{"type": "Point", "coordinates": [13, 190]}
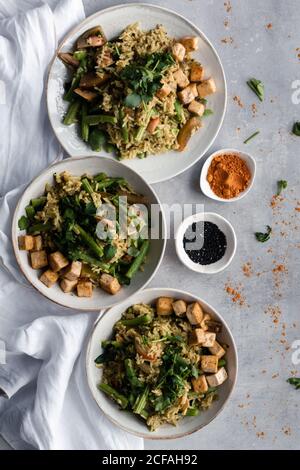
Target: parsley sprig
{"type": "Point", "coordinates": [144, 77]}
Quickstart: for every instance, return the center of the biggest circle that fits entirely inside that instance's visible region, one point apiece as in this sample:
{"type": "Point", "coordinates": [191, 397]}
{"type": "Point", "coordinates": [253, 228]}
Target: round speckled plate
{"type": "Point", "coordinates": [129, 422]}
{"type": "Point", "coordinates": [100, 299]}
{"type": "Point", "coordinates": [154, 168]}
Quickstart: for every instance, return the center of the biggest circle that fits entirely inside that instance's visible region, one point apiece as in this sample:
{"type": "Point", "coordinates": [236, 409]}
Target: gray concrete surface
{"type": "Point", "coordinates": [264, 410]}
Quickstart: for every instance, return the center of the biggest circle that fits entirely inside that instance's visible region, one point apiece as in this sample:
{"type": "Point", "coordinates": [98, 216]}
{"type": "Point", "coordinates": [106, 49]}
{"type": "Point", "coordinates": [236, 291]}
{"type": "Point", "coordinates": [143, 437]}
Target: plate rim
{"type": "Point", "coordinates": [181, 434]}
{"type": "Point", "coordinates": [14, 236]}
{"type": "Point", "coordinates": [157, 7]}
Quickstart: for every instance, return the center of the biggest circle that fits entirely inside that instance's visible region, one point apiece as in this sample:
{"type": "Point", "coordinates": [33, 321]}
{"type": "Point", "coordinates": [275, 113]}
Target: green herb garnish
{"type": "Point", "coordinates": [257, 87]}
{"type": "Point", "coordinates": [251, 137]}
{"type": "Point", "coordinates": [296, 128]}
{"type": "Point", "coordinates": [144, 77]}
{"type": "Point", "coordinates": [23, 223]}
{"type": "Point", "coordinates": [282, 184]}
{"type": "Point", "coordinates": [207, 112]}
{"type": "Point", "coordinates": [263, 237]}
{"type": "Point", "coordinates": [294, 381]}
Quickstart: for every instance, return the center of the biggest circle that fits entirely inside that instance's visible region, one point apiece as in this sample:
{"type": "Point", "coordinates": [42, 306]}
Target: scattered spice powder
{"type": "Point", "coordinates": [247, 269]}
{"type": "Point", "coordinates": [226, 23]}
{"type": "Point", "coordinates": [228, 175]}
{"type": "Point", "coordinates": [269, 26]}
{"type": "Point", "coordinates": [238, 101]}
{"type": "Point", "coordinates": [298, 52]}
{"type": "Point", "coordinates": [275, 312]}
{"type": "Point", "coordinates": [254, 109]}
{"type": "Point", "coordinates": [236, 294]}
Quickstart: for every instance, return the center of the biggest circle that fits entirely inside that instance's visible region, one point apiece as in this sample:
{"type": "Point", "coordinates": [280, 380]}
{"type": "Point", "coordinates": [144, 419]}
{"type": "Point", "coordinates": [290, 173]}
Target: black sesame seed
{"type": "Point", "coordinates": [204, 243]}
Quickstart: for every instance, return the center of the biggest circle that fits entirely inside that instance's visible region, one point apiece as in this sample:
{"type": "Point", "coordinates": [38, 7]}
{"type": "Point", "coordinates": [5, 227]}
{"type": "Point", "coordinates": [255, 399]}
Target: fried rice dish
{"type": "Point", "coordinates": [140, 93]}
{"type": "Point", "coordinates": [163, 361]}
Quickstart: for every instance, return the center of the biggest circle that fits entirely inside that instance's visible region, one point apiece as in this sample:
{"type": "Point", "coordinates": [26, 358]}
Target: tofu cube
{"type": "Point", "coordinates": [208, 87]}
{"type": "Point", "coordinates": [164, 306]}
{"type": "Point", "coordinates": [209, 364]}
{"type": "Point", "coordinates": [49, 278]}
{"type": "Point", "coordinates": [197, 336]}
{"type": "Point", "coordinates": [203, 324]}
{"type": "Point", "coordinates": [194, 313]}
{"type": "Point", "coordinates": [109, 283]}
{"type": "Point", "coordinates": [217, 350]}
{"type": "Point", "coordinates": [188, 94]}
{"type": "Point", "coordinates": [164, 91]}
{"type": "Point", "coordinates": [57, 261]}
{"type": "Point", "coordinates": [179, 307]}
{"type": "Point", "coordinates": [178, 51]}
{"type": "Point", "coordinates": [37, 243]}
{"type": "Point", "coordinates": [190, 43]}
{"type": "Point", "coordinates": [197, 72]}
{"type": "Point", "coordinates": [209, 340]}
{"type": "Point", "coordinates": [181, 78]}
{"type": "Point", "coordinates": [25, 242]}
{"type": "Point", "coordinates": [84, 289]}
{"type": "Point", "coordinates": [73, 271]}
{"type": "Point", "coordinates": [217, 379]}
{"type": "Point", "coordinates": [200, 384]}
{"type": "Point", "coordinates": [196, 108]}
{"type": "Point", "coordinates": [67, 286]}
{"type": "Point", "coordinates": [38, 259]}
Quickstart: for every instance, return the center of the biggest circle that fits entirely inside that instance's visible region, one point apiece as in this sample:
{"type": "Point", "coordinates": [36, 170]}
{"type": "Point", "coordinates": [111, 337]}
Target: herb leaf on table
{"type": "Point", "coordinates": [263, 237]}
{"type": "Point", "coordinates": [296, 128]}
{"type": "Point", "coordinates": [282, 184]}
{"type": "Point", "coordinates": [257, 87]}
{"type": "Point", "coordinates": [294, 381]}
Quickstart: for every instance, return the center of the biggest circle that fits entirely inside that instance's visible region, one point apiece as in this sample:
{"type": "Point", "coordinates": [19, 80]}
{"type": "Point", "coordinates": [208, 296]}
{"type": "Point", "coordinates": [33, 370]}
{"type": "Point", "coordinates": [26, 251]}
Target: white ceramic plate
{"type": "Point", "coordinates": [100, 299]}
{"type": "Point", "coordinates": [154, 168]}
{"type": "Point", "coordinates": [127, 421]}
{"type": "Point", "coordinates": [224, 226]}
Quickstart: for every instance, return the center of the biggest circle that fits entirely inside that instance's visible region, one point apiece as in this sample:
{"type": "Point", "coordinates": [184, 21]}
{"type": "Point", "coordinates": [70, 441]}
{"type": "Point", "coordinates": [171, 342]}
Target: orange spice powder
{"type": "Point", "coordinates": [228, 175]}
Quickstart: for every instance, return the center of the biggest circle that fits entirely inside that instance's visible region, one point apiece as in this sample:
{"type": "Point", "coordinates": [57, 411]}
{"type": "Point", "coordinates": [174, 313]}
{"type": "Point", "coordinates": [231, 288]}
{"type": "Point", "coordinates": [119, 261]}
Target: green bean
{"type": "Point", "coordinates": [87, 186]}
{"type": "Point", "coordinates": [97, 139]}
{"type": "Point", "coordinates": [38, 202]}
{"type": "Point", "coordinates": [138, 260]}
{"type": "Point", "coordinates": [96, 119]}
{"type": "Point", "coordinates": [85, 130]}
{"type": "Point", "coordinates": [72, 112]}
{"type": "Point", "coordinates": [86, 258]}
{"type": "Point", "coordinates": [89, 241]}
{"type": "Point", "coordinates": [192, 412]}
{"type": "Point", "coordinates": [131, 375]}
{"type": "Point", "coordinates": [137, 321]}
{"type": "Point", "coordinates": [30, 212]}
{"type": "Point", "coordinates": [110, 148]}
{"type": "Point", "coordinates": [36, 228]}
{"type": "Point", "coordinates": [100, 177]}
{"type": "Point", "coordinates": [222, 363]}
{"type": "Point", "coordinates": [179, 111]}
{"type": "Point", "coordinates": [114, 394]}
{"type": "Point", "coordinates": [141, 401]}
{"type": "Point", "coordinates": [123, 125]}
{"type": "Point", "coordinates": [68, 96]}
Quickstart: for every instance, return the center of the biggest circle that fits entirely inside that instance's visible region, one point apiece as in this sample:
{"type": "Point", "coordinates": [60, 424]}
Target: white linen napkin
{"type": "Point", "coordinates": [47, 404]}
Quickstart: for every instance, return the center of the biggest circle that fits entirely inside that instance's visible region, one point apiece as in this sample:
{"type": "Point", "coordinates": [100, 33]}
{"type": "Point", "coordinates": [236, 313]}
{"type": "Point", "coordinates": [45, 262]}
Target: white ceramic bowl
{"type": "Point", "coordinates": [154, 168]}
{"type": "Point", "coordinates": [127, 421]}
{"type": "Point", "coordinates": [224, 226]}
{"type": "Point", "coordinates": [100, 299]}
{"type": "Point", "coordinates": [204, 184]}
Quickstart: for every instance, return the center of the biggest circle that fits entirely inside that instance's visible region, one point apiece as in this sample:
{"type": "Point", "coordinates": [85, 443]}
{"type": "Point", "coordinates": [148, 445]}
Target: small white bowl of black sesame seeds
{"type": "Point", "coordinates": [206, 242]}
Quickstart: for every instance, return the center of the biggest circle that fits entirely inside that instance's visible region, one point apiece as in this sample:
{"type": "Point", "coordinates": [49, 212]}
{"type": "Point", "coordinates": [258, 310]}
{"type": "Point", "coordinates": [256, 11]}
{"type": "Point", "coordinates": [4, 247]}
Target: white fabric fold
{"type": "Point", "coordinates": [48, 404]}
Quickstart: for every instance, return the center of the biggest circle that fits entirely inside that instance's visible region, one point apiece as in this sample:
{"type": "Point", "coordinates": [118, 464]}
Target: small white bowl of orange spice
{"type": "Point", "coordinates": [228, 175]}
